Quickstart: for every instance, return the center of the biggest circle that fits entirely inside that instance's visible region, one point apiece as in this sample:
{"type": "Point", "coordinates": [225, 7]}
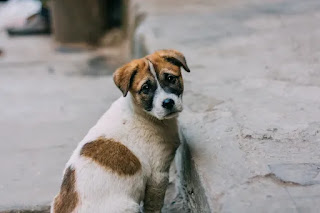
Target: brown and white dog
{"type": "Point", "coordinates": [124, 160]}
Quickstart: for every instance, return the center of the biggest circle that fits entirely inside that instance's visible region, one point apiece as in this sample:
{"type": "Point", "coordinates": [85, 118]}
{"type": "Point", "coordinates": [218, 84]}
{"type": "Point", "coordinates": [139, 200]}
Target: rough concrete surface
{"type": "Point", "coordinates": [252, 99]}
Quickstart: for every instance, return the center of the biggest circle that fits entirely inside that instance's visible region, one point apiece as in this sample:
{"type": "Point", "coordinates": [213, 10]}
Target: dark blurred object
{"type": "Point", "coordinates": [114, 13]}
{"type": "Point", "coordinates": [1, 52]}
{"type": "Point", "coordinates": [84, 20]}
{"type": "Point", "coordinates": [3, 0]}
{"type": "Point", "coordinates": [36, 24]}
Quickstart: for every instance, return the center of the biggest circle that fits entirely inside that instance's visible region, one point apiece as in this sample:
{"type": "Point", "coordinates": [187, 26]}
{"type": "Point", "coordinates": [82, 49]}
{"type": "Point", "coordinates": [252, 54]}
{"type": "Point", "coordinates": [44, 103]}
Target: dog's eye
{"type": "Point", "coordinates": [171, 78]}
{"type": "Point", "coordinates": [145, 88]}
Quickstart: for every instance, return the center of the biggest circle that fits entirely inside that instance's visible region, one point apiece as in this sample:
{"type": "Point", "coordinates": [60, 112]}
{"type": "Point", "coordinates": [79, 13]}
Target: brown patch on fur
{"type": "Point", "coordinates": [169, 58]}
{"type": "Point", "coordinates": [112, 155]}
{"type": "Point", "coordinates": [67, 200]}
{"type": "Point", "coordinates": [125, 75]}
{"type": "Point", "coordinates": [160, 64]}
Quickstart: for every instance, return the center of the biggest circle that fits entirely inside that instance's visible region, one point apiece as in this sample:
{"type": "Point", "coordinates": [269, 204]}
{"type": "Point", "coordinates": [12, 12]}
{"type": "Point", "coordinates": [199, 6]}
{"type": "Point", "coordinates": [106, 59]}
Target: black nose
{"type": "Point", "coordinates": [168, 103]}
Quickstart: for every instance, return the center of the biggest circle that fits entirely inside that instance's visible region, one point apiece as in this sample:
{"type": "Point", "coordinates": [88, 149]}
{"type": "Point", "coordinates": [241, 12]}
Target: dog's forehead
{"type": "Point", "coordinates": [141, 66]}
{"type": "Point", "coordinates": [151, 68]}
{"type": "Point", "coordinates": [160, 64]}
{"type": "Point", "coordinates": [141, 63]}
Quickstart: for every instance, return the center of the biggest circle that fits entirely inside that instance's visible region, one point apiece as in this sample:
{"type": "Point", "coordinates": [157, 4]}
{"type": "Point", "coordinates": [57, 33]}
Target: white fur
{"type": "Point", "coordinates": [153, 142]}
{"type": "Point", "coordinates": [160, 95]}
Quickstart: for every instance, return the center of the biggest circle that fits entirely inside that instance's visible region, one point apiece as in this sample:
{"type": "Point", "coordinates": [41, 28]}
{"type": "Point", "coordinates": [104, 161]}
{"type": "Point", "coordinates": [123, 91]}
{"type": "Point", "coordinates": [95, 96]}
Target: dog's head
{"type": "Point", "coordinates": [155, 82]}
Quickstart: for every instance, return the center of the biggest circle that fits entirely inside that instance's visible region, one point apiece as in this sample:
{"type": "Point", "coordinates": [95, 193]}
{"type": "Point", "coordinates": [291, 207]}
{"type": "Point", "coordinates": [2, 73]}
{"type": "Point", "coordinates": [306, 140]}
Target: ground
{"type": "Point", "coordinates": [251, 117]}
{"type": "Point", "coordinates": [252, 104]}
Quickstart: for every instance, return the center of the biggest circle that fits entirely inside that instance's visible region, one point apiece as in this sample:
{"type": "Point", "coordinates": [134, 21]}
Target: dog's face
{"type": "Point", "coordinates": [155, 82]}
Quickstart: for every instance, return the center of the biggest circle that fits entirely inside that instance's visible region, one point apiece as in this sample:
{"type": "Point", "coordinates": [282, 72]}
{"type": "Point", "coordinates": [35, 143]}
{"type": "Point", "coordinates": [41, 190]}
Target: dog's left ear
{"type": "Point", "coordinates": [123, 76]}
{"type": "Point", "coordinates": [174, 57]}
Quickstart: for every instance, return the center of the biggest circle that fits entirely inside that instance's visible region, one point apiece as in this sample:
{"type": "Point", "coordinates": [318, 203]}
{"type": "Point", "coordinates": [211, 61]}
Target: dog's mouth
{"type": "Point", "coordinates": [172, 114]}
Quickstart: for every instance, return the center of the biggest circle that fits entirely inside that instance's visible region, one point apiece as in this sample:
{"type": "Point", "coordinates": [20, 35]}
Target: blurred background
{"type": "Point", "coordinates": [252, 100]}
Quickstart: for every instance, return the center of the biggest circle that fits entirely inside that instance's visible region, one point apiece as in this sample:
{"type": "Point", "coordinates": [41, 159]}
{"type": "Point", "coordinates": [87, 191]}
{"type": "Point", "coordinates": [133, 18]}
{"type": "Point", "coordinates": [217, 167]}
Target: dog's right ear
{"type": "Point", "coordinates": [123, 76]}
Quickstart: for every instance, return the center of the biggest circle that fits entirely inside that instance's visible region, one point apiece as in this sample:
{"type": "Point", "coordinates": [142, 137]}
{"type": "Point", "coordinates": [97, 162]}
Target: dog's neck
{"type": "Point", "coordinates": [143, 114]}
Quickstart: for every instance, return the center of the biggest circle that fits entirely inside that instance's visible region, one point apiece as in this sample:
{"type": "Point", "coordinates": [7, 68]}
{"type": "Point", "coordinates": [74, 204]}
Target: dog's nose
{"type": "Point", "coordinates": [168, 103]}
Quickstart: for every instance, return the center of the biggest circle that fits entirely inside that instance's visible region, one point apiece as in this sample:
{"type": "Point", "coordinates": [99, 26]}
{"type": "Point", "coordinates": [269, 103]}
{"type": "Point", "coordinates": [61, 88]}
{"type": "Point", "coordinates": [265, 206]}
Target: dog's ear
{"type": "Point", "coordinates": [123, 76]}
{"type": "Point", "coordinates": [174, 57]}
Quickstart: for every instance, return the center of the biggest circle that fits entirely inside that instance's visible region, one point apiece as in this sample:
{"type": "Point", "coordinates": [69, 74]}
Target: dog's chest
{"type": "Point", "coordinates": [155, 145]}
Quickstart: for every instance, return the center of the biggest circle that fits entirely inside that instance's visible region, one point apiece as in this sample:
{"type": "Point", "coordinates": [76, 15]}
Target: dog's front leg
{"type": "Point", "coordinates": [155, 192]}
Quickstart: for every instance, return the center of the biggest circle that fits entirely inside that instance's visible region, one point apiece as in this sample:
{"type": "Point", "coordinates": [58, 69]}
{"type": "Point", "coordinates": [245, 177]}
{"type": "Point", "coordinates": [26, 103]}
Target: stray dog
{"type": "Point", "coordinates": [125, 157]}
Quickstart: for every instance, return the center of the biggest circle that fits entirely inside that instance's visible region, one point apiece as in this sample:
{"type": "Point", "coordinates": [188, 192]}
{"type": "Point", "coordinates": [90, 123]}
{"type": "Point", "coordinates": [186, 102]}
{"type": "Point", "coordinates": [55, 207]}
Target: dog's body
{"type": "Point", "coordinates": [125, 157]}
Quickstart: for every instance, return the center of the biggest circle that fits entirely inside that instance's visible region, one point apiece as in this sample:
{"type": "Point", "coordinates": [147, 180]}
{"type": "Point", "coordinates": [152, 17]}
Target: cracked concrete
{"type": "Point", "coordinates": [303, 174]}
{"type": "Point", "coordinates": [252, 103]}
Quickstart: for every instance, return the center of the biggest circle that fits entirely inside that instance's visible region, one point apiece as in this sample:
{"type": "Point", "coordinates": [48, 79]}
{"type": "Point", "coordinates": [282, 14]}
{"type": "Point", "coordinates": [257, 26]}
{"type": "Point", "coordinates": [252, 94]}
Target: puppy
{"type": "Point", "coordinates": [124, 160]}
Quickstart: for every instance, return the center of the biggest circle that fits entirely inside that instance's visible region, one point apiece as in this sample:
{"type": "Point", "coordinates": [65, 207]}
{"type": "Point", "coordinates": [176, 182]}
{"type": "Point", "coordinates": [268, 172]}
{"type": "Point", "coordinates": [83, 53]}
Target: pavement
{"type": "Point", "coordinates": [252, 100]}
{"type": "Point", "coordinates": [251, 122]}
